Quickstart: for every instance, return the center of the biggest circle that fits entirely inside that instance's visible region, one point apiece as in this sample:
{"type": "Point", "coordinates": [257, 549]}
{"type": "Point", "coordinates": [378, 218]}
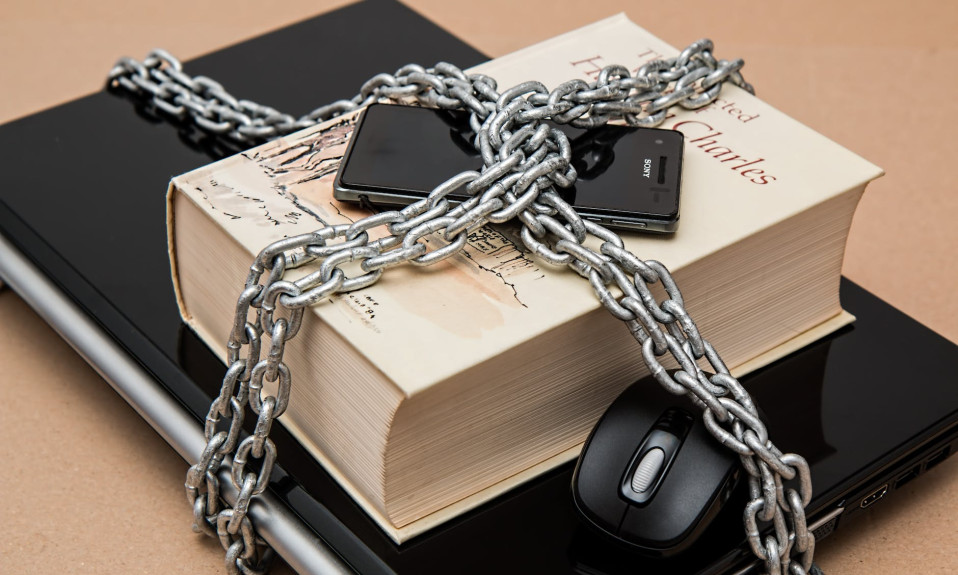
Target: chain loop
{"type": "Point", "coordinates": [524, 161]}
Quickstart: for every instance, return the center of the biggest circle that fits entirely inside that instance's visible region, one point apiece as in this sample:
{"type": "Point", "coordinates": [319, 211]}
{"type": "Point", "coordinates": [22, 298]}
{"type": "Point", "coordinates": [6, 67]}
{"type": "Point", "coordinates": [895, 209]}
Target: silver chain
{"type": "Point", "coordinates": [524, 159]}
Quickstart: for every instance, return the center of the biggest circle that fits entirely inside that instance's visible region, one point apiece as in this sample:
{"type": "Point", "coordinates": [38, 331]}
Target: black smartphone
{"type": "Point", "coordinates": [628, 178]}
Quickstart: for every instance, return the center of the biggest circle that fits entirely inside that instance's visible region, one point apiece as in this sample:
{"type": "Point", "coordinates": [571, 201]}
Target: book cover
{"type": "Point", "coordinates": [746, 171]}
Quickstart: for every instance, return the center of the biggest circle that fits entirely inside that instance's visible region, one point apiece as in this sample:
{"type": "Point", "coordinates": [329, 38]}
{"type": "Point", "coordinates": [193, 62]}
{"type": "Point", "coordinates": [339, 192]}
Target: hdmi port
{"type": "Point", "coordinates": [878, 494]}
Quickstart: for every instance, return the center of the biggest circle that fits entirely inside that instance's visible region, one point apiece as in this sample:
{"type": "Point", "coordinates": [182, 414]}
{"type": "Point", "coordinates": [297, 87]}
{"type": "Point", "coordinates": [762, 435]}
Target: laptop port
{"type": "Point", "coordinates": [911, 474]}
{"type": "Point", "coordinates": [875, 496]}
{"type": "Point", "coordinates": [938, 457]}
{"type": "Point", "coordinates": [826, 529]}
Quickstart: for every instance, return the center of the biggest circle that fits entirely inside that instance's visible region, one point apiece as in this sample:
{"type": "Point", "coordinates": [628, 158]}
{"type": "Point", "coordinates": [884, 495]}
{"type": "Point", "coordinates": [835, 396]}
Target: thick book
{"type": "Point", "coordinates": [435, 390]}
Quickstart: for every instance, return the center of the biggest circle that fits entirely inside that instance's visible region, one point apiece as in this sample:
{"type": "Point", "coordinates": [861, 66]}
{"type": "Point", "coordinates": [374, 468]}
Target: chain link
{"type": "Point", "coordinates": [524, 160]}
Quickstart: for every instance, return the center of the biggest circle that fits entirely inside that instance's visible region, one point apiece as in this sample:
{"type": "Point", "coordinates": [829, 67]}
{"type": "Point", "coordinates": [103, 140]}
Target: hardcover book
{"type": "Point", "coordinates": [436, 389]}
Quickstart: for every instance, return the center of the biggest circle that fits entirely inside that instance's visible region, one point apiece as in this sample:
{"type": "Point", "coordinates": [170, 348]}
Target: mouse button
{"type": "Point", "coordinates": [688, 499]}
{"type": "Point", "coordinates": [690, 495]}
{"type": "Point", "coordinates": [593, 492]}
{"type": "Point", "coordinates": [649, 466]}
{"type": "Point", "coordinates": [675, 516]}
{"type": "Point", "coordinates": [611, 446]}
{"type": "Point", "coordinates": [655, 527]}
{"type": "Point", "coordinates": [705, 464]}
{"type": "Point", "coordinates": [600, 506]}
{"type": "Point", "coordinates": [604, 457]}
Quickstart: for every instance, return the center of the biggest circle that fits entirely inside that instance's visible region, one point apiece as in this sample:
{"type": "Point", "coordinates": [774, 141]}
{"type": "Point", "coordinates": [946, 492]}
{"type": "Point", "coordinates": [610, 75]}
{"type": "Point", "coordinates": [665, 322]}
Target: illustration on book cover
{"type": "Point", "coordinates": [285, 188]}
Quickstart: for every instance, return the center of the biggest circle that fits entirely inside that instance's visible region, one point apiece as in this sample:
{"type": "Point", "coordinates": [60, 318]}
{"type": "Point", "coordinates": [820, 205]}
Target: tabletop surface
{"type": "Point", "coordinates": [89, 487]}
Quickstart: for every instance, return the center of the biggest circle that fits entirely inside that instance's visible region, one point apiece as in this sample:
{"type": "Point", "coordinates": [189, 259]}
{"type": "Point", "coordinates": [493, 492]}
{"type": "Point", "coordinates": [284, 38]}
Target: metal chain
{"type": "Point", "coordinates": [524, 159]}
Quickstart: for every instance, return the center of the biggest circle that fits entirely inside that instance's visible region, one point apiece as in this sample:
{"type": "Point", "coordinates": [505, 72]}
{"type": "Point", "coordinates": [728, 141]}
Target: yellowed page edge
{"type": "Point", "coordinates": [420, 526]}
{"type": "Point", "coordinates": [796, 343]}
{"type": "Point", "coordinates": [171, 252]}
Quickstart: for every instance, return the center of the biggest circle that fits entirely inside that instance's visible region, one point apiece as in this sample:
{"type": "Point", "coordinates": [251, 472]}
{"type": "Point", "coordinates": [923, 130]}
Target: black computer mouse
{"type": "Point", "coordinates": [650, 474]}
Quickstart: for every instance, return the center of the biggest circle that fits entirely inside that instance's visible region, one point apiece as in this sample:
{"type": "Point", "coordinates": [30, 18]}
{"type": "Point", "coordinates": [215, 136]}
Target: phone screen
{"type": "Point", "coordinates": [627, 177]}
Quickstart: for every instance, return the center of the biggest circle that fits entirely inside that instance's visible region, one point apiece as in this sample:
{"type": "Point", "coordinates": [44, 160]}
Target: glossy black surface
{"type": "Point", "coordinates": [82, 195]}
{"type": "Point", "coordinates": [400, 153]}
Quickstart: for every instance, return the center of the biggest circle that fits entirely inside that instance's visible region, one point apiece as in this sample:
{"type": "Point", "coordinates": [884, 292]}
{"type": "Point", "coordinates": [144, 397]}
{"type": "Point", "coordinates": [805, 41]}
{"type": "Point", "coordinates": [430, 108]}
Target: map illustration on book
{"type": "Point", "coordinates": [285, 187]}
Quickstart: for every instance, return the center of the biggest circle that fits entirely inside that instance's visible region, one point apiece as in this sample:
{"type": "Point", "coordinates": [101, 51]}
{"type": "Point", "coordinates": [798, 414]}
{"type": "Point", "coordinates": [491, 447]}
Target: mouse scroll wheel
{"type": "Point", "coordinates": [648, 470]}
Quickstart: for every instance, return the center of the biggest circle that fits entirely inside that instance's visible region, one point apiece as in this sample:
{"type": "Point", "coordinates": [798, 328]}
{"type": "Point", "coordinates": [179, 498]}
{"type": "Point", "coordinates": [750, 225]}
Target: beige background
{"type": "Point", "coordinates": [88, 487]}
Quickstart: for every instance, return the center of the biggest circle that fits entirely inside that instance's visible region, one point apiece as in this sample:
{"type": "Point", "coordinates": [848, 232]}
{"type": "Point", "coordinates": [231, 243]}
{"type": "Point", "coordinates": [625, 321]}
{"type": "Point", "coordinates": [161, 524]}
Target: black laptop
{"type": "Point", "coordinates": [107, 160]}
